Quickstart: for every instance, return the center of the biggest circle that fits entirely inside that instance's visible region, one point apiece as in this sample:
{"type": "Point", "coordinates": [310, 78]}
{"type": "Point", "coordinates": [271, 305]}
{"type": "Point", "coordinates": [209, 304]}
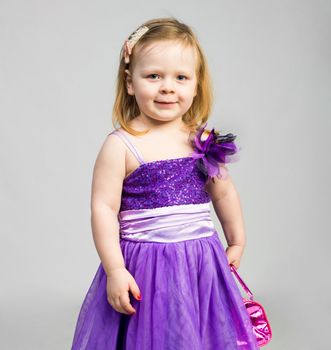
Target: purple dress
{"type": "Point", "coordinates": [190, 300]}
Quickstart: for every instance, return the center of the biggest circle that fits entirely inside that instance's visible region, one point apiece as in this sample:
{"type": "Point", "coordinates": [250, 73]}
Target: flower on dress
{"type": "Point", "coordinates": [214, 152]}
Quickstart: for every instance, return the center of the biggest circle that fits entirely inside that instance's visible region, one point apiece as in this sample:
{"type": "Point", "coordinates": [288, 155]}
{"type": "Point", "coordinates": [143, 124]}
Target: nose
{"type": "Point", "coordinates": [167, 85]}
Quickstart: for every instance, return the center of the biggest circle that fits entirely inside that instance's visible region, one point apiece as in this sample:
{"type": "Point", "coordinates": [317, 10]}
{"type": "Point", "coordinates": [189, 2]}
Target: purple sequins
{"type": "Point", "coordinates": [164, 183]}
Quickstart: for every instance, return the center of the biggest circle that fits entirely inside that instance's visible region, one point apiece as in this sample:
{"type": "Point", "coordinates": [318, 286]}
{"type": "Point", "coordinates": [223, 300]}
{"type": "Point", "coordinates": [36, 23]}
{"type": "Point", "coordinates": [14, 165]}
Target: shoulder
{"type": "Point", "coordinates": [113, 144]}
{"type": "Point", "coordinates": [108, 173]}
{"type": "Point", "coordinates": [112, 154]}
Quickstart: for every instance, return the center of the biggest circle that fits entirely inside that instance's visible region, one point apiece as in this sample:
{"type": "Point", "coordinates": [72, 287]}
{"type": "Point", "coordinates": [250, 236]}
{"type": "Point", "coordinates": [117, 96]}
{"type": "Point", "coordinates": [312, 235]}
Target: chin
{"type": "Point", "coordinates": [167, 118]}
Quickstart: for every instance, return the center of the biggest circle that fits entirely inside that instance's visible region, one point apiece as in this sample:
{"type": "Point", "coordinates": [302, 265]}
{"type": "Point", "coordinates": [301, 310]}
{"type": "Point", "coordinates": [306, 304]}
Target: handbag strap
{"type": "Point", "coordinates": [234, 270]}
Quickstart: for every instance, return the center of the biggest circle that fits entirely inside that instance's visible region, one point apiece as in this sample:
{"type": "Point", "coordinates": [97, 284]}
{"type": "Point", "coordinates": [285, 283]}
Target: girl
{"type": "Point", "coordinates": [164, 281]}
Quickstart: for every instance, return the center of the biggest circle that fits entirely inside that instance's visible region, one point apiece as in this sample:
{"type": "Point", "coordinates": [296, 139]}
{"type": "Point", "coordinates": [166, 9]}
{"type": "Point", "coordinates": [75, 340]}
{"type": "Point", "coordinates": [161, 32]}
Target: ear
{"type": "Point", "coordinates": [128, 81]}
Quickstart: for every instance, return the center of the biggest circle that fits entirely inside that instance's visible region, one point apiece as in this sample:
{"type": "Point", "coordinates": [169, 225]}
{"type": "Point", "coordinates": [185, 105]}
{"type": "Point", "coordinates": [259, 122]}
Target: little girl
{"type": "Point", "coordinates": [164, 281]}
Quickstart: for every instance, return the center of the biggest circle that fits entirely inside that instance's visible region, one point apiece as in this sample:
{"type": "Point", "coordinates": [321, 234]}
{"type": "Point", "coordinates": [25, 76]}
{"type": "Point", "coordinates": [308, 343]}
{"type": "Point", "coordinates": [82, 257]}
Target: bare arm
{"type": "Point", "coordinates": [226, 203]}
{"type": "Point", "coordinates": [108, 175]}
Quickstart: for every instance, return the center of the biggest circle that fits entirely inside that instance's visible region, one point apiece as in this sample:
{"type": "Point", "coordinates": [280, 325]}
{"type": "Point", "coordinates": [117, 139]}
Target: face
{"type": "Point", "coordinates": [163, 80]}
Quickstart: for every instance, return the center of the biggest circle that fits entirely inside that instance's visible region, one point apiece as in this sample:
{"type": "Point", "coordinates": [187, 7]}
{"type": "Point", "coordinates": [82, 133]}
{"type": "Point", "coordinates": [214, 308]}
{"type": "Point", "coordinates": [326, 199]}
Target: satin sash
{"type": "Point", "coordinates": [166, 224]}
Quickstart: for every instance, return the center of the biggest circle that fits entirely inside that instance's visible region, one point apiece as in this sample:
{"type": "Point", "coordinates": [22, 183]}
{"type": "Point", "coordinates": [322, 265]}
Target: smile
{"type": "Point", "coordinates": [166, 104]}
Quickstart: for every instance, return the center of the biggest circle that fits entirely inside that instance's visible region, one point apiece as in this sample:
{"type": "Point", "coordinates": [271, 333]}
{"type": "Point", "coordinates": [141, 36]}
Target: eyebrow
{"type": "Point", "coordinates": [181, 70]}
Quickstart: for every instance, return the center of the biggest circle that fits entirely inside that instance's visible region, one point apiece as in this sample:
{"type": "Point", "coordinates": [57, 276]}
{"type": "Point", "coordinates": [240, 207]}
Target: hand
{"type": "Point", "coordinates": [234, 253]}
{"type": "Point", "coordinates": [119, 283]}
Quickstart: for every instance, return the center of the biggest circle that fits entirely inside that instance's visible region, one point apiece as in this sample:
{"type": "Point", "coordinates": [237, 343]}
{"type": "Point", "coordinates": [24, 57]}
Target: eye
{"type": "Point", "coordinates": [183, 76]}
{"type": "Point", "coordinates": [152, 75]}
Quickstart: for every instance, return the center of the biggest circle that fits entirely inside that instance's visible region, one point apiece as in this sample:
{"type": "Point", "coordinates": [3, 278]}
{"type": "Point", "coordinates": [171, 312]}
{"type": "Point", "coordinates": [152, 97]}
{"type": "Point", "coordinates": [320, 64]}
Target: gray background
{"type": "Point", "coordinates": [270, 64]}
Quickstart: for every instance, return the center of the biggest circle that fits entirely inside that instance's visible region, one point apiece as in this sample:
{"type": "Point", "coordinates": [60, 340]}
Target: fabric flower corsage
{"type": "Point", "coordinates": [214, 152]}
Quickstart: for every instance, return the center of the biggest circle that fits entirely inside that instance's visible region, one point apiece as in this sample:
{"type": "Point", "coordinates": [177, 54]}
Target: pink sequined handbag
{"type": "Point", "coordinates": [260, 323]}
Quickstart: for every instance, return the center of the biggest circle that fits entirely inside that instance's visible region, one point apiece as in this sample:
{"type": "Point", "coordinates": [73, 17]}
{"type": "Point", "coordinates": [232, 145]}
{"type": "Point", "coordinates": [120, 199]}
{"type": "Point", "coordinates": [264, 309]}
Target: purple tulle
{"type": "Point", "coordinates": [190, 301]}
{"type": "Point", "coordinates": [214, 152]}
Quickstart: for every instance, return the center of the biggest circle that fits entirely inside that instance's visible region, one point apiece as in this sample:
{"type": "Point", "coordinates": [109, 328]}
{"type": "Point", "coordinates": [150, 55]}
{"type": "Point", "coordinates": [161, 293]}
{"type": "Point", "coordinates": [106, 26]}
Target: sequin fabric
{"type": "Point", "coordinates": [164, 183]}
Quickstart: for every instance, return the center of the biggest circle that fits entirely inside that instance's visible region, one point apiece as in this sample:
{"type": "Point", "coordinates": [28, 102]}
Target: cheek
{"type": "Point", "coordinates": [188, 91]}
{"type": "Point", "coordinates": [146, 90]}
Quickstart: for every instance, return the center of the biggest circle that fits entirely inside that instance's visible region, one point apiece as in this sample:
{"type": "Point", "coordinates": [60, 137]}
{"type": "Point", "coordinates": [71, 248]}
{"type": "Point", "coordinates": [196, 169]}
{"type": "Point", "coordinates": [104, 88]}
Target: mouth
{"type": "Point", "coordinates": [166, 102]}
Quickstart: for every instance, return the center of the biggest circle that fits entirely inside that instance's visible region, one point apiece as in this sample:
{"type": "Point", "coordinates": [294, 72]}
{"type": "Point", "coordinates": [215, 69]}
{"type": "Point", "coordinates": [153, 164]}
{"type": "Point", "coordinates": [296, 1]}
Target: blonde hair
{"type": "Point", "coordinates": [125, 106]}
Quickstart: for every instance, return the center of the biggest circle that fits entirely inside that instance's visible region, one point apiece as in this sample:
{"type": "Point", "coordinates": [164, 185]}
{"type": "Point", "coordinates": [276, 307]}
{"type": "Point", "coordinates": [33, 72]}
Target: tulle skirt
{"type": "Point", "coordinates": [190, 301]}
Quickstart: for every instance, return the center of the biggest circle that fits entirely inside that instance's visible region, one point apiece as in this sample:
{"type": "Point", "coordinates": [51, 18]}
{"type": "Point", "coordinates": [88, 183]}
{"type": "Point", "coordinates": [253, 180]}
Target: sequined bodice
{"type": "Point", "coordinates": [164, 183]}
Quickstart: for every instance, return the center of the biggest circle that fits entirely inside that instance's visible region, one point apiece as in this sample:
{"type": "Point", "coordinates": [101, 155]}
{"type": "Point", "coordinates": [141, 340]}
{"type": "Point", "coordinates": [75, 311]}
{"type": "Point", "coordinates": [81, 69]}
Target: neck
{"type": "Point", "coordinates": [157, 126]}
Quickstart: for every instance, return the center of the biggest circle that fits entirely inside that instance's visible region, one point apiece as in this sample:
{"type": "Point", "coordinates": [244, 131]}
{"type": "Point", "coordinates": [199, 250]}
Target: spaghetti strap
{"type": "Point", "coordinates": [130, 145]}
